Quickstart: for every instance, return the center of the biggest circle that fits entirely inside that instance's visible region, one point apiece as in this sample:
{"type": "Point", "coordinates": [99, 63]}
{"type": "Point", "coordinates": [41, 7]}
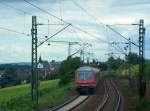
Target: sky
{"type": "Point", "coordinates": [88, 15]}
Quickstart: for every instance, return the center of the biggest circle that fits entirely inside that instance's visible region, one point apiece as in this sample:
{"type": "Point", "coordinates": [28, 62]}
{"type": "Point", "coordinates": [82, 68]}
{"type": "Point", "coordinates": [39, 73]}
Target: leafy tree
{"type": "Point", "coordinates": [114, 63]}
{"type": "Point", "coordinates": [132, 58]}
{"type": "Point", "coordinates": [103, 66]}
{"type": "Point", "coordinates": [67, 69]}
{"type": "Point", "coordinates": [9, 78]}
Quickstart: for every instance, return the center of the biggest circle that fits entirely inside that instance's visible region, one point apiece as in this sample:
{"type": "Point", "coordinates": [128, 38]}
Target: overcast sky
{"type": "Point", "coordinates": [16, 47]}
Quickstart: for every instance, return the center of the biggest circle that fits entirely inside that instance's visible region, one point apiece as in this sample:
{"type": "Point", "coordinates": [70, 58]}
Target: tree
{"type": "Point", "coordinates": [67, 69]}
{"type": "Point", "coordinates": [115, 63]}
{"type": "Point", "coordinates": [9, 78]}
{"type": "Point", "coordinates": [103, 66]}
{"type": "Point", "coordinates": [132, 58]}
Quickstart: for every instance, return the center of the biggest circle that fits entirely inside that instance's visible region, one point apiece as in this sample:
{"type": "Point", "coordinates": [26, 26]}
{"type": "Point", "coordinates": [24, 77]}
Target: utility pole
{"type": "Point", "coordinates": [69, 47]}
{"type": "Point", "coordinates": [34, 80]}
{"type": "Point", "coordinates": [142, 82]}
{"type": "Point", "coordinates": [66, 42]}
{"type": "Point", "coordinates": [129, 62]}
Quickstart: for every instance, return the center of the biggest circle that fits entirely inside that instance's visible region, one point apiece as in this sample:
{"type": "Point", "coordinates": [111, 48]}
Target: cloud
{"type": "Point", "coordinates": [129, 2]}
{"type": "Point", "coordinates": [106, 11]}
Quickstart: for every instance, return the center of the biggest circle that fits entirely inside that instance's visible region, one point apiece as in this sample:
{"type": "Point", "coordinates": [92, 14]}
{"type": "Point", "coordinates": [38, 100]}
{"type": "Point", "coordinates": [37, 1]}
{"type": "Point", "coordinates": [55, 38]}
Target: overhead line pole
{"type": "Point", "coordinates": [34, 73]}
{"type": "Point", "coordinates": [142, 82]}
{"type": "Point", "coordinates": [69, 45]}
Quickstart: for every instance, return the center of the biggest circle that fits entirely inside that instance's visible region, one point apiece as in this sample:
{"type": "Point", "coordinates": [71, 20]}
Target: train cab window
{"type": "Point", "coordinates": [80, 76]}
{"type": "Point", "coordinates": [88, 75]}
{"type": "Point", "coordinates": [84, 75]}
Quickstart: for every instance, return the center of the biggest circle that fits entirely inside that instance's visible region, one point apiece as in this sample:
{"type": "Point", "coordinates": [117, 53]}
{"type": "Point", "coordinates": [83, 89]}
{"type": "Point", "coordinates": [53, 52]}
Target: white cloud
{"type": "Point", "coordinates": [106, 11]}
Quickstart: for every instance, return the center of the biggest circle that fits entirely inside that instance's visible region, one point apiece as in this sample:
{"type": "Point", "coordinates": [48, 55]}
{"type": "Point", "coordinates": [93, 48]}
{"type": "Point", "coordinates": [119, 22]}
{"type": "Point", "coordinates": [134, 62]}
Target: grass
{"type": "Point", "coordinates": [136, 103]}
{"type": "Point", "coordinates": [18, 98]}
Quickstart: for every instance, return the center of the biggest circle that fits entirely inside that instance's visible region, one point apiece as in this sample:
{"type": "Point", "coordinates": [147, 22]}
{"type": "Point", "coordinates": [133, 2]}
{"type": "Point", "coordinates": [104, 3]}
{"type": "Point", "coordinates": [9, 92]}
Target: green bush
{"type": "Point", "coordinates": [67, 70]}
{"type": "Point", "coordinates": [142, 105]}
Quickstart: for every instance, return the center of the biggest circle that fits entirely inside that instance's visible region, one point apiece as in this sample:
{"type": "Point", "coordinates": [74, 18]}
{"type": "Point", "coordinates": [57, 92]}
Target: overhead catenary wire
{"type": "Point", "coordinates": [108, 26]}
{"type": "Point", "coordinates": [24, 15]}
{"type": "Point", "coordinates": [89, 14]}
{"type": "Point", "coordinates": [14, 8]}
{"type": "Point", "coordinates": [91, 35]}
{"type": "Point", "coordinates": [20, 10]}
{"type": "Point", "coordinates": [53, 35]}
{"type": "Point", "coordinates": [111, 45]}
{"type": "Point", "coordinates": [121, 35]}
{"type": "Point", "coordinates": [76, 26]}
{"type": "Point", "coordinates": [45, 11]}
{"type": "Point", "coordinates": [62, 20]}
{"type": "Point", "coordinates": [11, 30]}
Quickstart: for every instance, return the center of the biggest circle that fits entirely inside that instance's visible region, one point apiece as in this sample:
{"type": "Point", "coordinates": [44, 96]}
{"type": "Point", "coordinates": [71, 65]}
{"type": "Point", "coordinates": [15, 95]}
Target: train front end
{"type": "Point", "coordinates": [86, 79]}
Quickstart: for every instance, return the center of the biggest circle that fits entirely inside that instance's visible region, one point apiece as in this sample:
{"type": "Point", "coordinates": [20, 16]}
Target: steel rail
{"type": "Point", "coordinates": [119, 96]}
{"type": "Point", "coordinates": [106, 97]}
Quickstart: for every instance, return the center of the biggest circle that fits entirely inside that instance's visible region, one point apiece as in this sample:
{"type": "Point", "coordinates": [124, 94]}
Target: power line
{"type": "Point", "coordinates": [19, 10]}
{"type": "Point", "coordinates": [75, 26]}
{"type": "Point", "coordinates": [89, 14]}
{"type": "Point", "coordinates": [53, 35]}
{"type": "Point", "coordinates": [108, 26]}
{"type": "Point", "coordinates": [11, 30]}
{"type": "Point", "coordinates": [86, 32]}
{"type": "Point", "coordinates": [12, 7]}
{"type": "Point", "coordinates": [45, 11]}
{"type": "Point", "coordinates": [121, 35]}
{"type": "Point", "coordinates": [60, 19]}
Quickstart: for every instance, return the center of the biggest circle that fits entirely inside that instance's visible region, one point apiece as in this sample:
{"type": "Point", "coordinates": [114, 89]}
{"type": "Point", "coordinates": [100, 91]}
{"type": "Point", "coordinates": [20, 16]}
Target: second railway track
{"type": "Point", "coordinates": [112, 98]}
{"type": "Point", "coordinates": [109, 100]}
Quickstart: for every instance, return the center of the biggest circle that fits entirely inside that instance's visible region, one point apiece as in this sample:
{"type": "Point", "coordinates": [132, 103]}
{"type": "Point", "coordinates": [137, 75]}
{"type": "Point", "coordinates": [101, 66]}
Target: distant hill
{"type": "Point", "coordinates": [20, 63]}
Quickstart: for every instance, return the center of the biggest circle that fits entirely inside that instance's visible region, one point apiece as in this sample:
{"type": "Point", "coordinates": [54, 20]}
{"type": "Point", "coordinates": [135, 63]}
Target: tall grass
{"type": "Point", "coordinates": [18, 98]}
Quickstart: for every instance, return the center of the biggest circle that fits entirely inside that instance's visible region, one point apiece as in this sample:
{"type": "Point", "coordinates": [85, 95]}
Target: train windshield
{"type": "Point", "coordinates": [84, 75]}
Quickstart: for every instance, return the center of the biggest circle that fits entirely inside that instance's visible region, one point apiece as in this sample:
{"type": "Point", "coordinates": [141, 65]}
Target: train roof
{"type": "Point", "coordinates": [83, 68]}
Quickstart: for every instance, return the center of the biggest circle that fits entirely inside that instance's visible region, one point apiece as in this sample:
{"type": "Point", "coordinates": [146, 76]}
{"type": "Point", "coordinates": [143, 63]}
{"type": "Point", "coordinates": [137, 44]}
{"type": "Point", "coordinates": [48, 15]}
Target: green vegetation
{"type": "Point", "coordinates": [9, 78]}
{"type": "Point", "coordinates": [67, 70]}
{"type": "Point", "coordinates": [18, 98]}
{"type": "Point", "coordinates": [120, 67]}
{"type": "Point", "coordinates": [136, 103]}
{"type": "Point", "coordinates": [135, 70]}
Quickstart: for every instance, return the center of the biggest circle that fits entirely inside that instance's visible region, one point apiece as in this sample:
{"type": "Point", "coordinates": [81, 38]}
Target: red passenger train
{"type": "Point", "coordinates": [86, 79]}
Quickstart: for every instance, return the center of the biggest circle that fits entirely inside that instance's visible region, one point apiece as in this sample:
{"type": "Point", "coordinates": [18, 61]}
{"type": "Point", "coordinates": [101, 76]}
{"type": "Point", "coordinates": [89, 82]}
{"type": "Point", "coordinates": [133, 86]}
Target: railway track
{"type": "Point", "coordinates": [112, 98]}
{"type": "Point", "coordinates": [70, 105]}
